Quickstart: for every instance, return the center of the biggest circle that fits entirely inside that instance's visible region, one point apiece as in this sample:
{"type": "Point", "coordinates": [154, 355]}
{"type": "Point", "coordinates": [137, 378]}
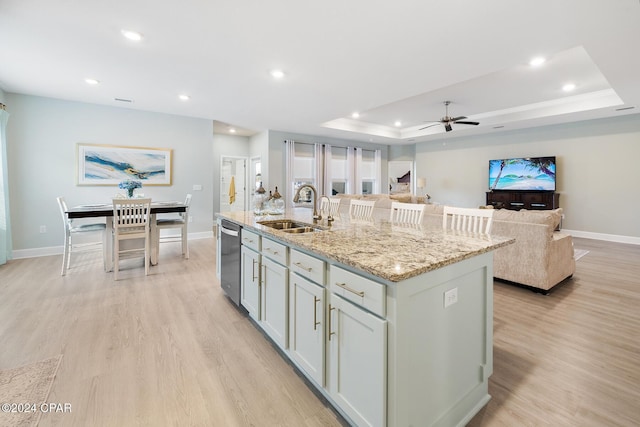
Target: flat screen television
{"type": "Point", "coordinates": [525, 173]}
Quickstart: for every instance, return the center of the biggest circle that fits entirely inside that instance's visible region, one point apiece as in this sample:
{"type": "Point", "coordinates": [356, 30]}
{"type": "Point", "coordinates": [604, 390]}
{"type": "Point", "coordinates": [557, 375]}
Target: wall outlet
{"type": "Point", "coordinates": [190, 218]}
{"type": "Point", "coordinates": [450, 297]}
{"type": "Point", "coordinates": [43, 229]}
{"type": "Point", "coordinates": [197, 187]}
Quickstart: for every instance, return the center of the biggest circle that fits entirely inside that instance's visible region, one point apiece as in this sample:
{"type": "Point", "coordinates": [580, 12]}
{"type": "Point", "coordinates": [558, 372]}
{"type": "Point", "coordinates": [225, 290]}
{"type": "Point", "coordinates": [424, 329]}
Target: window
{"type": "Point", "coordinates": [338, 170]}
{"type": "Point", "coordinates": [302, 168]}
{"type": "Point", "coordinates": [368, 171]}
{"type": "Point", "coordinates": [331, 170]}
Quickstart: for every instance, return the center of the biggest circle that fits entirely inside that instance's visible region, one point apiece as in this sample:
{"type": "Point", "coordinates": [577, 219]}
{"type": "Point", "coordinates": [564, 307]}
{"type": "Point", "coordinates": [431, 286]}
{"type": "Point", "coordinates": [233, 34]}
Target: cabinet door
{"type": "Point", "coordinates": [357, 362]}
{"type": "Point", "coordinates": [306, 326]}
{"type": "Point", "coordinates": [274, 314]}
{"type": "Point", "coordinates": [250, 282]}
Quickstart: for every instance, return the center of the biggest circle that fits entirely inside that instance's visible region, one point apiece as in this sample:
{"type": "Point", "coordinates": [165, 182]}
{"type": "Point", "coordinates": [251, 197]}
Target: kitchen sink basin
{"type": "Point", "coordinates": [290, 226]}
{"type": "Point", "coordinates": [283, 224]}
{"type": "Point", "coordinates": [302, 230]}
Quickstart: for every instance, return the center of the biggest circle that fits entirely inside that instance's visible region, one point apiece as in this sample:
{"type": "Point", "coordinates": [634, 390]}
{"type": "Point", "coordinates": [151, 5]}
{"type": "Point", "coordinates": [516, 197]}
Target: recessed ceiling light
{"type": "Point", "coordinates": [184, 97]}
{"type": "Point", "coordinates": [132, 35]}
{"type": "Point", "coordinates": [277, 74]}
{"type": "Point", "coordinates": [355, 115]}
{"type": "Point", "coordinates": [398, 123]}
{"type": "Point", "coordinates": [537, 61]}
{"type": "Point", "coordinates": [232, 130]}
{"type": "Point", "coordinates": [568, 87]}
{"type": "Point", "coordinates": [92, 81]}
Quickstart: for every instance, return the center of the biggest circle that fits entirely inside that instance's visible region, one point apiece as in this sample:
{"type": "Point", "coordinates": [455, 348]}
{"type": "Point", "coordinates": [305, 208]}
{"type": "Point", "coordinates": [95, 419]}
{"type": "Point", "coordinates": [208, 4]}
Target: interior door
{"type": "Point", "coordinates": [233, 169]}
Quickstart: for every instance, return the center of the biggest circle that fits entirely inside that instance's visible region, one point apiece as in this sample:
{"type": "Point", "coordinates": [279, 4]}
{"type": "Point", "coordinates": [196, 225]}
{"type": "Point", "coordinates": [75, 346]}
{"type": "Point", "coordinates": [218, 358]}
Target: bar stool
{"type": "Point", "coordinates": [465, 219]}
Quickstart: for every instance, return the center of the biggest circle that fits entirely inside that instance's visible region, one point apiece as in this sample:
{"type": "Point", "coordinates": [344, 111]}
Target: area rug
{"type": "Point", "coordinates": [579, 253]}
{"type": "Point", "coordinates": [26, 384]}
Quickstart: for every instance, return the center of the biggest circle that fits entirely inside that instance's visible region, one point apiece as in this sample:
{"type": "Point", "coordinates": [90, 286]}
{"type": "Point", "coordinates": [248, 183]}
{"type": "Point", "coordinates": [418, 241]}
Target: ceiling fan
{"type": "Point", "coordinates": [448, 121]}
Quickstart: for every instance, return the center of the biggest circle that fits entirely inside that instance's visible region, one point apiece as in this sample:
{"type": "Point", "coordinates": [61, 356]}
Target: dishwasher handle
{"type": "Point", "coordinates": [228, 231]}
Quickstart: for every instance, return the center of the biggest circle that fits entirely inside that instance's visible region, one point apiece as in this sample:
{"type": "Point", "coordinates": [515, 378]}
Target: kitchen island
{"type": "Point", "coordinates": [392, 323]}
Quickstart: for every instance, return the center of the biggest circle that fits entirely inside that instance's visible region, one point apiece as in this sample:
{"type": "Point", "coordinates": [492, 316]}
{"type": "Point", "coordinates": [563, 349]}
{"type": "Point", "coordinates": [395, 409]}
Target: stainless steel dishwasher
{"type": "Point", "coordinates": [230, 260]}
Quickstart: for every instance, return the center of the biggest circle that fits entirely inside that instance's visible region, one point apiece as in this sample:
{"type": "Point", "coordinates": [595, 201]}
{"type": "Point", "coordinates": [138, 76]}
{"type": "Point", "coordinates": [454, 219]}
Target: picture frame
{"type": "Point", "coordinates": [111, 164]}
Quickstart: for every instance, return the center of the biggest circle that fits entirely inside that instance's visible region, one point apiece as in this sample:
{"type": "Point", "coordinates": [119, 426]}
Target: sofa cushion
{"type": "Point", "coordinates": [550, 218]}
{"type": "Point", "coordinates": [402, 198]}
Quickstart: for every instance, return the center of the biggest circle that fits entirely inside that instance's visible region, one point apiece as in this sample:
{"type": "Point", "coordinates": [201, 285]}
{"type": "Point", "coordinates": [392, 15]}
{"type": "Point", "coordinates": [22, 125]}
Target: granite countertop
{"type": "Point", "coordinates": [388, 251]}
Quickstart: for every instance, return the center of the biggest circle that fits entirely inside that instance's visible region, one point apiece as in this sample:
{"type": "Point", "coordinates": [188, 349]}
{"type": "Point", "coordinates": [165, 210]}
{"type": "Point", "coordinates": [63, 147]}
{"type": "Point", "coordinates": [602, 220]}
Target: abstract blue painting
{"type": "Point", "coordinates": [109, 165]}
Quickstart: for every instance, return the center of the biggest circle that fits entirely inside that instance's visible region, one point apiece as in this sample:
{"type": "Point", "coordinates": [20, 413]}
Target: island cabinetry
{"type": "Point", "coordinates": [274, 293]}
{"type": "Point", "coordinates": [357, 353]}
{"type": "Point", "coordinates": [250, 281]}
{"type": "Point", "coordinates": [307, 326]}
{"type": "Point", "coordinates": [307, 266]}
{"type": "Point", "coordinates": [394, 349]}
{"type": "Point", "coordinates": [264, 282]}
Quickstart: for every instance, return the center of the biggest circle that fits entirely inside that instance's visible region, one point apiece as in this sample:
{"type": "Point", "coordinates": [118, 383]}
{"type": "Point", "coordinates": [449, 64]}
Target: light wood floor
{"type": "Point", "coordinates": [169, 349]}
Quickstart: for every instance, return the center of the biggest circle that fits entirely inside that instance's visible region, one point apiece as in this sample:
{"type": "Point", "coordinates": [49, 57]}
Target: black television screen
{"type": "Point", "coordinates": [530, 173]}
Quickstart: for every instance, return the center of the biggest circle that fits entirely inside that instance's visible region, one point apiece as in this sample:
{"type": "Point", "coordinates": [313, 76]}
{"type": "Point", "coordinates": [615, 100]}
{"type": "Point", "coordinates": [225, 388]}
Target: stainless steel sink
{"type": "Point", "coordinates": [290, 226]}
{"type": "Point", "coordinates": [302, 230]}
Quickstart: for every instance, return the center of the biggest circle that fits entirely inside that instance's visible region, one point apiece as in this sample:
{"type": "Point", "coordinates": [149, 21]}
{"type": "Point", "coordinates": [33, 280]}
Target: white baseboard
{"type": "Point", "coordinates": [57, 250]}
{"type": "Point", "coordinates": [602, 236]}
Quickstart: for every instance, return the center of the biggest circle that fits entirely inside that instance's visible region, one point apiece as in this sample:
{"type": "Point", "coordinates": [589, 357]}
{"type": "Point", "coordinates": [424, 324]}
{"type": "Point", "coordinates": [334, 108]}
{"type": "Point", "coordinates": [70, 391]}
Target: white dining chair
{"type": "Point", "coordinates": [179, 221]}
{"type": "Point", "coordinates": [72, 228]}
{"type": "Point", "coordinates": [406, 213]}
{"type": "Point", "coordinates": [333, 206]}
{"type": "Point", "coordinates": [361, 209]}
{"type": "Point", "coordinates": [130, 221]}
{"type": "Point", "coordinates": [466, 219]}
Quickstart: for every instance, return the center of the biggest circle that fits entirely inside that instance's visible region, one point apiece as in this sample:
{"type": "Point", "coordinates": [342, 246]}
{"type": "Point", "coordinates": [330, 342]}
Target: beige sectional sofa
{"type": "Point", "coordinates": [541, 257]}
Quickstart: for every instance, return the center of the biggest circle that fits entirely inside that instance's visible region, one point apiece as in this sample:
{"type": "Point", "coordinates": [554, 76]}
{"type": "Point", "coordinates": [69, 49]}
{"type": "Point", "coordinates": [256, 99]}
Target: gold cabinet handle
{"type": "Point", "coordinates": [344, 286]}
{"type": "Point", "coordinates": [303, 267]}
{"type": "Point", "coordinates": [330, 333]}
{"type": "Point", "coordinates": [316, 300]}
{"type": "Point", "coordinates": [253, 270]}
{"type": "Point", "coordinates": [270, 250]}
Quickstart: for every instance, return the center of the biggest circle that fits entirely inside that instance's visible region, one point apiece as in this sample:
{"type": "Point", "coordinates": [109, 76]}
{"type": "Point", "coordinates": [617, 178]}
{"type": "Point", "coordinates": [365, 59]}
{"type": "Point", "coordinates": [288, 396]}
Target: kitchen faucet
{"type": "Point", "coordinates": [296, 198]}
{"type": "Point", "coordinates": [329, 216]}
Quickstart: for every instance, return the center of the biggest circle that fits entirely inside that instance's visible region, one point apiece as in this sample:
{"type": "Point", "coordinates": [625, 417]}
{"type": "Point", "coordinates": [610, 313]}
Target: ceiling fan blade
{"type": "Point", "coordinates": [447, 127]}
{"type": "Point", "coordinates": [435, 124]}
{"type": "Point", "coordinates": [468, 123]}
{"type": "Point", "coordinates": [455, 119]}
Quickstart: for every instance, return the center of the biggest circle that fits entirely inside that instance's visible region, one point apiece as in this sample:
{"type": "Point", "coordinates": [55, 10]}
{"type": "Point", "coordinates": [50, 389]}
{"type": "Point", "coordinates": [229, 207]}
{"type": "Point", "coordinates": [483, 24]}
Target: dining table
{"type": "Point", "coordinates": [105, 210]}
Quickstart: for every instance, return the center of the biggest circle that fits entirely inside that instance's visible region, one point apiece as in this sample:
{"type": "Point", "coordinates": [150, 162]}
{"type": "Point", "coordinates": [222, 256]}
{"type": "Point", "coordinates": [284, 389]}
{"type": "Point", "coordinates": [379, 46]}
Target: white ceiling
{"type": "Point", "coordinates": [387, 60]}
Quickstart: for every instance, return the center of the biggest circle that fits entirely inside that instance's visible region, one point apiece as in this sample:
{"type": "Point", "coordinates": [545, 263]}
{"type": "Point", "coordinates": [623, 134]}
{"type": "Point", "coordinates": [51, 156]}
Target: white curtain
{"type": "Point", "coordinates": [327, 171]}
{"type": "Point", "coordinates": [5, 223]}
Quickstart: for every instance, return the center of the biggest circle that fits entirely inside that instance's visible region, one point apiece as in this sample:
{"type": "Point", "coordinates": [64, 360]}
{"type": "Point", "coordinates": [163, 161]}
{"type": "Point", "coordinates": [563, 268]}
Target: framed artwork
{"type": "Point", "coordinates": [112, 164]}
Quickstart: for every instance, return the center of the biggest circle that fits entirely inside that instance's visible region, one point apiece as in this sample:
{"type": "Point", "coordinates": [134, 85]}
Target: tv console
{"type": "Point", "coordinates": [516, 200]}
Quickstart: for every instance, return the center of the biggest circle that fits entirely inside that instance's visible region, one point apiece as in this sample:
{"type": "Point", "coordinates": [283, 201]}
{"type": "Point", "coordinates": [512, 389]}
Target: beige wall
{"type": "Point", "coordinates": [597, 170]}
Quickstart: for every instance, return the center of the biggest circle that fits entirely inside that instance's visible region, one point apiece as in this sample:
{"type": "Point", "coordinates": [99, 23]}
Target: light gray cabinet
{"type": "Point", "coordinates": [307, 326]}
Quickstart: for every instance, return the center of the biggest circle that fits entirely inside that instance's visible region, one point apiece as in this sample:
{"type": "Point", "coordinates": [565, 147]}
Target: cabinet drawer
{"type": "Point", "coordinates": [274, 250]}
{"type": "Point", "coordinates": [251, 239]}
{"type": "Point", "coordinates": [307, 266]}
{"type": "Point", "coordinates": [362, 291]}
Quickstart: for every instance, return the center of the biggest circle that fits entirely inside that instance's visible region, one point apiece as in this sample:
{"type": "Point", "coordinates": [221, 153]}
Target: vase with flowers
{"type": "Point", "coordinates": [130, 185]}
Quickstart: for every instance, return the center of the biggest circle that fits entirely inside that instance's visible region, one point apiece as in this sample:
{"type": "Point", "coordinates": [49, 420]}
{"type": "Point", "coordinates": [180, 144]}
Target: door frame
{"type": "Point", "coordinates": [222, 159]}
